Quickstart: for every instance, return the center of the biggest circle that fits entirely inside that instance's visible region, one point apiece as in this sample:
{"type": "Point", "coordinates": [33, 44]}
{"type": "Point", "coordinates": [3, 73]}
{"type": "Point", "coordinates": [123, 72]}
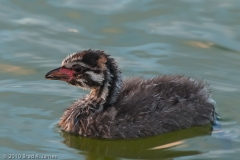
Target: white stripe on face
{"type": "Point", "coordinates": [69, 65]}
{"type": "Point", "coordinates": [83, 84]}
{"type": "Point", "coordinates": [96, 77]}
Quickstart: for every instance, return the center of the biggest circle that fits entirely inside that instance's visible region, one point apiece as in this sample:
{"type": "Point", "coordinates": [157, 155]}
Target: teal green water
{"type": "Point", "coordinates": [198, 38]}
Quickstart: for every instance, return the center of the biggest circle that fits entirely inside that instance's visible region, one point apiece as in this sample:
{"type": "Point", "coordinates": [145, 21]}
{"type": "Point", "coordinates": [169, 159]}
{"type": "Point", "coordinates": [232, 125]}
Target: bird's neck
{"type": "Point", "coordinates": [106, 95]}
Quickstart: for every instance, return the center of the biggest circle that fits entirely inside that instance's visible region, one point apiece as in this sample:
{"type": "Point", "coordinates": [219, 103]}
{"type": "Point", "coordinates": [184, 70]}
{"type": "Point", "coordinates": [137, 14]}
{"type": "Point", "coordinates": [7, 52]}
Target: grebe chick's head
{"type": "Point", "coordinates": [87, 69]}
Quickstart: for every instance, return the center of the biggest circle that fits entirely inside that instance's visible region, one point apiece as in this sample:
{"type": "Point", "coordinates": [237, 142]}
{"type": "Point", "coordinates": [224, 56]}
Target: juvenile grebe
{"type": "Point", "coordinates": [131, 108]}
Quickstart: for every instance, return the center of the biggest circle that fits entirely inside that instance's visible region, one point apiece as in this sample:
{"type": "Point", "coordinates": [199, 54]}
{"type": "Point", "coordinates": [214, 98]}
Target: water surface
{"type": "Point", "coordinates": [147, 38]}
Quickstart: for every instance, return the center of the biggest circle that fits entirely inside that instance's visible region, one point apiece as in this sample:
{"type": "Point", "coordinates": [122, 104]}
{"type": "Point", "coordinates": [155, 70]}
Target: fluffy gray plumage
{"type": "Point", "coordinates": [132, 108]}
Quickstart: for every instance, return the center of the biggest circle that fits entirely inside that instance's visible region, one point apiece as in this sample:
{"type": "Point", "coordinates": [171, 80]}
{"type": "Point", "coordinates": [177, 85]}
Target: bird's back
{"type": "Point", "coordinates": [162, 104]}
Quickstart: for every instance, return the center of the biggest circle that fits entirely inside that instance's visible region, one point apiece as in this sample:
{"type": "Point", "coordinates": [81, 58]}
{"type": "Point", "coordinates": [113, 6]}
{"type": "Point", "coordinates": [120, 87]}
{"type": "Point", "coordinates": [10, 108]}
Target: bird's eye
{"type": "Point", "coordinates": [77, 69]}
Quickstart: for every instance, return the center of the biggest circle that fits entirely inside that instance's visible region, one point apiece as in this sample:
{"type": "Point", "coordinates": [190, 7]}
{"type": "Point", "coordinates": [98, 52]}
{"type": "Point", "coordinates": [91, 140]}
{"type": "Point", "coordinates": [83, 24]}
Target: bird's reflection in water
{"type": "Point", "coordinates": [144, 148]}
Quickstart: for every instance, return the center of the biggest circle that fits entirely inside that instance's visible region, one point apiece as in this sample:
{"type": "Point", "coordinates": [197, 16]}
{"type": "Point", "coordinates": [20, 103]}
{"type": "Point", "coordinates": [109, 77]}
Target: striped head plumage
{"type": "Point", "coordinates": [85, 69]}
{"type": "Point", "coordinates": [92, 70]}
